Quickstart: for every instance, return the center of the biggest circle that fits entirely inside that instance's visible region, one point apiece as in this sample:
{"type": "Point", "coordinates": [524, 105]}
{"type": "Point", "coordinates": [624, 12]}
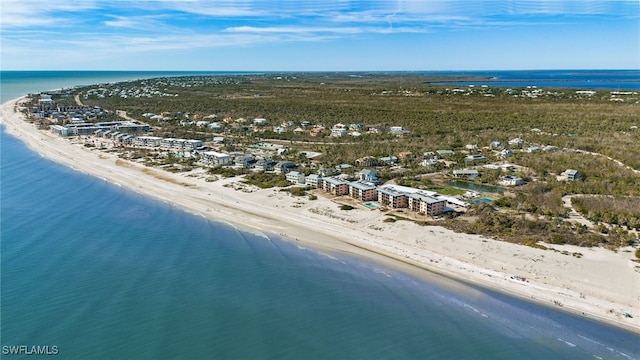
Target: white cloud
{"type": "Point", "coordinates": [32, 13]}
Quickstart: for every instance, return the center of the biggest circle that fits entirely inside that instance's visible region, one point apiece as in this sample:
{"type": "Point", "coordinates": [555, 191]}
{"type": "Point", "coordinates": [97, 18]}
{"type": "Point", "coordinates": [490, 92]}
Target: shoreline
{"type": "Point", "coordinates": [600, 285]}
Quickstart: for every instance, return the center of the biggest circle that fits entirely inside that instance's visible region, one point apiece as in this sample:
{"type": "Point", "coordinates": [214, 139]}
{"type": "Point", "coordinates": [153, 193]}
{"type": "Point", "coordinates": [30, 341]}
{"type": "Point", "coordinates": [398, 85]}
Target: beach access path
{"type": "Point", "coordinates": [599, 284]}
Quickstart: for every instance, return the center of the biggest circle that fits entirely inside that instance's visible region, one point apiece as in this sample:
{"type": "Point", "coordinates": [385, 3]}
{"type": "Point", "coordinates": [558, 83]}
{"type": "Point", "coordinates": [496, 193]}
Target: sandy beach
{"type": "Point", "coordinates": [601, 284]}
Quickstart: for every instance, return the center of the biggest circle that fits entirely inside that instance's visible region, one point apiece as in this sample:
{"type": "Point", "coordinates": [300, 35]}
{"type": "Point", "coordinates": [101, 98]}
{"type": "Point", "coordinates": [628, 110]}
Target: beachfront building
{"type": "Point", "coordinates": [213, 158]}
{"type": "Point", "coordinates": [283, 167]}
{"type": "Point", "coordinates": [146, 141]}
{"type": "Point", "coordinates": [394, 199]}
{"type": "Point", "coordinates": [81, 128]}
{"type": "Point", "coordinates": [244, 162]}
{"type": "Point", "coordinates": [59, 130]}
{"type": "Point", "coordinates": [313, 180]}
{"type": "Point", "coordinates": [335, 186]}
{"type": "Point", "coordinates": [426, 204]}
{"type": "Point", "coordinates": [295, 177]}
{"type": "Point", "coordinates": [363, 191]}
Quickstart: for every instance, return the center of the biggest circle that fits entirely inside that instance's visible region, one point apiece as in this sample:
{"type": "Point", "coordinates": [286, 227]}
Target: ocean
{"type": "Point", "coordinates": [92, 270]}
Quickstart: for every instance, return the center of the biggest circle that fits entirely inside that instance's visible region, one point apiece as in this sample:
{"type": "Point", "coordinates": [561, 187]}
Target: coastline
{"type": "Point", "coordinates": [601, 284]}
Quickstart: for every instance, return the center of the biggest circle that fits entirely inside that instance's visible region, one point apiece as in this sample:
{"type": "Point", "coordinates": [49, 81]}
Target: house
{"type": "Point", "coordinates": [496, 145]}
{"type": "Point", "coordinates": [398, 130]}
{"type": "Point", "coordinates": [214, 158]}
{"type": "Point", "coordinates": [394, 199]}
{"type": "Point", "coordinates": [283, 167]}
{"type": "Point", "coordinates": [279, 130]}
{"type": "Point", "coordinates": [339, 130]}
{"type": "Point", "coordinates": [570, 175]}
{"type": "Point", "coordinates": [369, 175]}
{"type": "Point", "coordinates": [264, 165]}
{"type": "Point", "coordinates": [429, 162]}
{"type": "Point", "coordinates": [443, 153]}
{"type": "Point", "coordinates": [505, 153]}
{"type": "Point", "coordinates": [470, 174]}
{"type": "Point", "coordinates": [516, 142]}
{"type": "Point", "coordinates": [298, 131]}
{"type": "Point", "coordinates": [335, 186]}
{"type": "Point", "coordinates": [326, 172]}
{"type": "Point", "coordinates": [259, 121]}
{"type": "Point", "coordinates": [363, 191]}
{"type": "Point", "coordinates": [218, 140]}
{"type": "Point", "coordinates": [511, 180]}
{"type": "Point", "coordinates": [531, 149]}
{"type": "Point", "coordinates": [312, 180]}
{"type": "Point", "coordinates": [427, 205]}
{"type": "Point", "coordinates": [388, 160]}
{"type": "Point", "coordinates": [475, 157]}
{"type": "Point", "coordinates": [245, 162]}
{"type": "Point", "coordinates": [295, 177]}
{"type": "Point", "coordinates": [367, 161]}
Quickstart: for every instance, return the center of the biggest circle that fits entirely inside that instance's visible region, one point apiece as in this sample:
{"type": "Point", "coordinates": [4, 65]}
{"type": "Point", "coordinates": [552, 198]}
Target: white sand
{"type": "Point", "coordinates": [601, 284]}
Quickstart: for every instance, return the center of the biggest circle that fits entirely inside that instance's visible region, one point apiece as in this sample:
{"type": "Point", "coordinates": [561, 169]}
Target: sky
{"type": "Point", "coordinates": [319, 35]}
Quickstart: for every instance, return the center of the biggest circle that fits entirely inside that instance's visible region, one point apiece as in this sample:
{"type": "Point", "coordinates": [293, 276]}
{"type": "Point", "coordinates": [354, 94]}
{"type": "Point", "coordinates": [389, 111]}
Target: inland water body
{"type": "Point", "coordinates": [93, 271]}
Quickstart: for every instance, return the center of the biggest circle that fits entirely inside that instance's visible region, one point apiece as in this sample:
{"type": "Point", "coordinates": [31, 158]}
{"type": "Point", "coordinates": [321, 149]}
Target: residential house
{"type": "Point", "coordinates": [475, 157]}
{"type": "Point", "coordinates": [570, 174]}
{"type": "Point", "coordinates": [398, 130]}
{"type": "Point", "coordinates": [505, 153]}
{"type": "Point", "coordinates": [516, 142]}
{"type": "Point", "coordinates": [214, 158]}
{"type": "Point", "coordinates": [496, 145]}
{"type": "Point", "coordinates": [245, 162]}
{"type": "Point", "coordinates": [511, 180]}
{"type": "Point", "coordinates": [259, 121]}
{"type": "Point", "coordinates": [326, 172]}
{"type": "Point", "coordinates": [388, 160]}
{"type": "Point", "coordinates": [339, 130]}
{"type": "Point", "coordinates": [367, 161]}
{"type": "Point", "coordinates": [283, 167]}
{"type": "Point", "coordinates": [295, 177]}
{"type": "Point", "coordinates": [369, 175]}
{"type": "Point", "coordinates": [470, 174]}
{"type": "Point", "coordinates": [443, 153]}
{"type": "Point", "coordinates": [264, 165]}
{"type": "Point", "coordinates": [312, 180]}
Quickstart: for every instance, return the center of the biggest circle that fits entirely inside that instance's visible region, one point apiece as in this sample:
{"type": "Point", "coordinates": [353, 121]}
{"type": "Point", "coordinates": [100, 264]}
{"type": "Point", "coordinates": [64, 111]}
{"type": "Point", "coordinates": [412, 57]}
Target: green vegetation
{"type": "Point", "coordinates": [297, 190]}
{"type": "Point", "coordinates": [265, 180]}
{"type": "Point", "coordinates": [623, 211]}
{"type": "Point", "coordinates": [346, 207]}
{"type": "Point", "coordinates": [591, 134]}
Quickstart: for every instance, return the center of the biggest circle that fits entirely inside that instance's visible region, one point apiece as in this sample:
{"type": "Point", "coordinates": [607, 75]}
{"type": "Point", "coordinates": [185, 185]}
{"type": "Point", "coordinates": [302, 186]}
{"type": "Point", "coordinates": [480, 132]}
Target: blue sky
{"type": "Point", "coordinates": [339, 35]}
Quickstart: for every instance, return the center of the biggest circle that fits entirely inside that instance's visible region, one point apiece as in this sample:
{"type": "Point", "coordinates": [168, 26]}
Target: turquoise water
{"type": "Point", "coordinates": [101, 272]}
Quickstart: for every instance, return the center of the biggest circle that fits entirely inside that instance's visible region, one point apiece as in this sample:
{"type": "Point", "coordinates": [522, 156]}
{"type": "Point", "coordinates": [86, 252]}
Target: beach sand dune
{"type": "Point", "coordinates": [600, 284]}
